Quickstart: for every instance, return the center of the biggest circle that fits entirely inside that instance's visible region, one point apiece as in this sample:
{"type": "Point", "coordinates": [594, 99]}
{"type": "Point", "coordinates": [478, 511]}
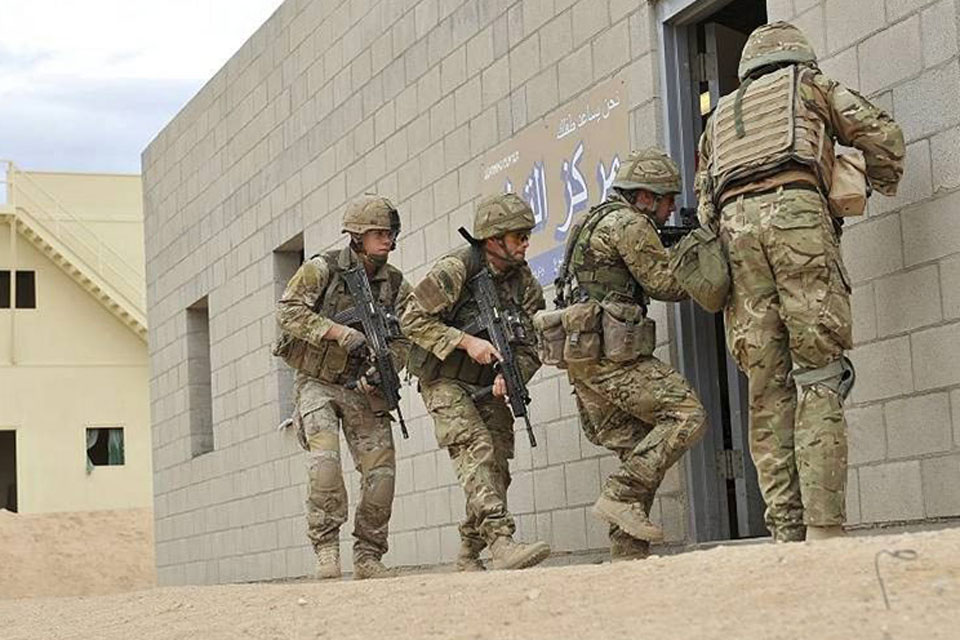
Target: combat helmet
{"type": "Point", "coordinates": [369, 212]}
{"type": "Point", "coordinates": [499, 214]}
{"type": "Point", "coordinates": [649, 169]}
{"type": "Point", "coordinates": [773, 44]}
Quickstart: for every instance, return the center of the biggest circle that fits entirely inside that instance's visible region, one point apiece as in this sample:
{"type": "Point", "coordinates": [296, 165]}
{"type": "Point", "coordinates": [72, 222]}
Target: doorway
{"type": "Point", "coordinates": [8, 470]}
{"type": "Point", "coordinates": [702, 44]}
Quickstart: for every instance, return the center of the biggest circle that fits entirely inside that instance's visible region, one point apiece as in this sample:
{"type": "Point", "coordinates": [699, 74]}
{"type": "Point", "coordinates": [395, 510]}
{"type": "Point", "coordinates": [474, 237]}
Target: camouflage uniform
{"type": "Point", "coordinates": [477, 433]}
{"type": "Point", "coordinates": [788, 316]}
{"type": "Point", "coordinates": [324, 404]}
{"type": "Point", "coordinates": [643, 410]}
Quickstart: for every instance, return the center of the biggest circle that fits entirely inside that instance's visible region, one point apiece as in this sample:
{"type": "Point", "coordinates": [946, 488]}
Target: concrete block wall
{"type": "Point", "coordinates": [328, 100]}
{"type": "Point", "coordinates": [903, 257]}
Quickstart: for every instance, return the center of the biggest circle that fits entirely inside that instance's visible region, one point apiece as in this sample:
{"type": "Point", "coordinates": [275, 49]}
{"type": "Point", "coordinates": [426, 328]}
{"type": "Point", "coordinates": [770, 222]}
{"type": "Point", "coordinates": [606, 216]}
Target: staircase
{"type": "Point", "coordinates": [73, 246]}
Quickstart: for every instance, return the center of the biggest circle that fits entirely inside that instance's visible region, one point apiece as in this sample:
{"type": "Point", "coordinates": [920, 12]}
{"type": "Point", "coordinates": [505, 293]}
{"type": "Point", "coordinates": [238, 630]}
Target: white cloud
{"type": "Point", "coordinates": [86, 68]}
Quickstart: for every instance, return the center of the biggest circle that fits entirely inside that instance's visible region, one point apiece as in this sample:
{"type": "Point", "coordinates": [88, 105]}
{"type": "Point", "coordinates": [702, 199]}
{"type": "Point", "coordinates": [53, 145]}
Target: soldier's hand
{"type": "Point", "coordinates": [499, 387]}
{"type": "Point", "coordinates": [479, 350]}
{"type": "Point", "coordinates": [369, 381]}
{"type": "Point", "coordinates": [348, 337]}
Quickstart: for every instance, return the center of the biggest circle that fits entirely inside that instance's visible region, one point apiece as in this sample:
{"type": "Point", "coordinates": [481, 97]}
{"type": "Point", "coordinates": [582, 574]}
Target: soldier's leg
{"type": "Point", "coordinates": [658, 396]}
{"type": "Point", "coordinates": [814, 294]}
{"type": "Point", "coordinates": [370, 439]}
{"type": "Point", "coordinates": [326, 504]}
{"type": "Point", "coordinates": [758, 341]}
{"type": "Point", "coordinates": [461, 431]}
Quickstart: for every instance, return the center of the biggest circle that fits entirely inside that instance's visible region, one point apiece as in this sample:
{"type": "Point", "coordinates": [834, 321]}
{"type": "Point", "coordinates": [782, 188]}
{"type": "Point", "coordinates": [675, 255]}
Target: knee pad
{"type": "Point", "coordinates": [838, 376]}
{"type": "Point", "coordinates": [325, 472]}
{"type": "Point", "coordinates": [380, 487]}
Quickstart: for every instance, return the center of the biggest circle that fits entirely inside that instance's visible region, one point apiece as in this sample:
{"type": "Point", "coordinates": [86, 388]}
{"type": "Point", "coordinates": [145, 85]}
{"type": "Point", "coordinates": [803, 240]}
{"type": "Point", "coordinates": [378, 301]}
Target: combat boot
{"type": "Point", "coordinates": [368, 567]}
{"type": "Point", "coordinates": [628, 516]}
{"type": "Point", "coordinates": [825, 533]}
{"type": "Point", "coordinates": [468, 559]}
{"type": "Point", "coordinates": [510, 554]}
{"type": "Point", "coordinates": [624, 547]}
{"type": "Point", "coordinates": [328, 561]}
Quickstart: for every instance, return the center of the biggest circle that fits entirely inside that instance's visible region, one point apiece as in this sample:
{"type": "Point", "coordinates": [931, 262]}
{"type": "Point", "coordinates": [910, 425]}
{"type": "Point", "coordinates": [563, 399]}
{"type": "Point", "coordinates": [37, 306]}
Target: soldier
{"type": "Point", "coordinates": [766, 165]}
{"type": "Point", "coordinates": [630, 402]}
{"type": "Point", "coordinates": [452, 365]}
{"type": "Point", "coordinates": [332, 388]}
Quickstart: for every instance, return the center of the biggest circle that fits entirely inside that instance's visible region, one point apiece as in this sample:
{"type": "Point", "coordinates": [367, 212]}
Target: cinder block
{"type": "Point", "coordinates": [569, 530]}
{"type": "Point", "coordinates": [483, 133]}
{"type": "Point", "coordinates": [449, 543]}
{"type": "Point", "coordinates": [853, 497]}
{"type": "Point", "coordinates": [453, 70]}
{"type": "Point", "coordinates": [524, 61]}
{"type": "Point", "coordinates": [897, 9]}
{"type": "Point", "coordinates": [918, 425]}
{"type": "Point", "coordinates": [883, 370]}
{"type": "Point", "coordinates": [866, 435]}
{"type": "Point", "coordinates": [645, 131]}
{"type": "Point", "coordinates": [495, 81]}
{"type": "Point", "coordinates": [556, 39]}
{"type": "Point", "coordinates": [589, 18]}
{"type": "Point", "coordinates": [456, 146]}
{"type": "Point", "coordinates": [941, 478]}
{"type": "Point", "coordinates": [909, 300]}
{"type": "Point", "coordinates": [936, 356]}
{"type": "Point", "coordinates": [425, 17]}
{"type": "Point", "coordinates": [535, 14]}
{"type": "Point", "coordinates": [469, 100]}
{"type": "Point", "coordinates": [438, 507]}
{"type": "Point", "coordinates": [563, 442]}
{"type": "Point", "coordinates": [779, 10]}
{"type": "Point", "coordinates": [544, 528]}
{"type": "Point", "coordinates": [673, 518]}
{"type": "Point", "coordinates": [812, 25]}
{"type": "Point", "coordinates": [545, 400]}
{"type": "Point", "coordinates": [672, 480]}
{"type": "Point", "coordinates": [939, 33]}
{"type": "Point", "coordinates": [520, 496]}
{"type": "Point", "coordinates": [932, 229]}
{"type": "Point", "coordinates": [576, 72]}
{"type": "Point", "coordinates": [548, 489]}
{"type": "Point", "coordinates": [864, 311]}
{"type": "Point", "coordinates": [844, 67]}
{"type": "Point", "coordinates": [583, 482]}
{"type": "Point", "coordinates": [640, 32]}
{"type": "Point", "coordinates": [428, 546]}
{"type": "Point", "coordinates": [879, 69]}
{"type": "Point", "coordinates": [955, 405]}
{"type": "Point", "coordinates": [945, 155]}
{"type": "Point", "coordinates": [611, 50]}
{"type": "Point", "coordinates": [891, 492]}
{"type": "Point", "coordinates": [845, 27]}
{"type": "Point", "coordinates": [598, 532]}
{"type": "Point", "coordinates": [541, 93]}
{"type": "Point", "coordinates": [641, 82]}
{"type": "Point", "coordinates": [424, 472]}
{"type": "Point", "coordinates": [872, 248]}
{"type": "Point", "coordinates": [924, 105]}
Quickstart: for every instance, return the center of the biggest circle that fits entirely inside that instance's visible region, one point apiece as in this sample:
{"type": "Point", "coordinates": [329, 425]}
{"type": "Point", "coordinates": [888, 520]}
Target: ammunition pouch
{"type": "Point", "coordinates": [627, 333]}
{"type": "Point", "coordinates": [582, 325]}
{"type": "Point", "coordinates": [849, 189]}
{"type": "Point", "coordinates": [551, 337]}
{"type": "Point", "coordinates": [456, 366]}
{"type": "Point", "coordinates": [700, 266]}
{"type": "Point", "coordinates": [838, 376]}
{"type": "Point", "coordinates": [329, 363]}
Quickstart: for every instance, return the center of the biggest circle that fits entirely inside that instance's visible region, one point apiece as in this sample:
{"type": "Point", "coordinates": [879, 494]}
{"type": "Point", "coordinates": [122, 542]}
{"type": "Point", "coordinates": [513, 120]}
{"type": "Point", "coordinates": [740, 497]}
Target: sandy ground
{"type": "Point", "coordinates": [823, 590]}
{"type": "Point", "coordinates": [82, 553]}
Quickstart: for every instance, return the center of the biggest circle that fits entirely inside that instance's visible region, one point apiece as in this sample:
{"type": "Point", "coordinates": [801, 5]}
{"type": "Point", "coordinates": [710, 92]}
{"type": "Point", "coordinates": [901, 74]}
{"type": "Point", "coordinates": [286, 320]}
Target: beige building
{"type": "Point", "coordinates": [435, 102]}
{"type": "Point", "coordinates": [74, 410]}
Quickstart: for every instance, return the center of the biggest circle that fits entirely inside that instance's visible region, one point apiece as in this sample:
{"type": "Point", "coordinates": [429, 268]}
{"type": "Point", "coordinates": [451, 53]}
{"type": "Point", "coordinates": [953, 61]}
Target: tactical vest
{"type": "Point", "coordinates": [458, 365]}
{"type": "Point", "coordinates": [595, 280]}
{"type": "Point", "coordinates": [330, 362]}
{"type": "Point", "coordinates": [763, 128]}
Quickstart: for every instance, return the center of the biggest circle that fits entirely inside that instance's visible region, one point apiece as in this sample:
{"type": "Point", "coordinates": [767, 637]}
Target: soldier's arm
{"type": "Point", "coordinates": [400, 347]}
{"type": "Point", "coordinates": [438, 291]}
{"type": "Point", "coordinates": [527, 359]}
{"type": "Point", "coordinates": [641, 250]}
{"type": "Point", "coordinates": [859, 123]}
{"type": "Point", "coordinates": [295, 313]}
{"type": "Point", "coordinates": [706, 211]}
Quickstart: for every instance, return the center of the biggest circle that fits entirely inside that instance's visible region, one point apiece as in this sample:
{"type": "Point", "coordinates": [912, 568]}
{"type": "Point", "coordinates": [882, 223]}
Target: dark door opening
{"type": "Point", "coordinates": [8, 470]}
{"type": "Point", "coordinates": [702, 53]}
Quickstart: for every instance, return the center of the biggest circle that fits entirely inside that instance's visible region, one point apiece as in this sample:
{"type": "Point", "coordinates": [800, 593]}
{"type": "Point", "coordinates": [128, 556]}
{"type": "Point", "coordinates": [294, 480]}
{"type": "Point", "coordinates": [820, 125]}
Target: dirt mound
{"type": "Point", "coordinates": [81, 553]}
{"type": "Point", "coordinates": [825, 590]}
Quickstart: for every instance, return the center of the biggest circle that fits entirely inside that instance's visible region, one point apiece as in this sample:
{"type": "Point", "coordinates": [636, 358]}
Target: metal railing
{"type": "Point", "coordinates": [80, 244]}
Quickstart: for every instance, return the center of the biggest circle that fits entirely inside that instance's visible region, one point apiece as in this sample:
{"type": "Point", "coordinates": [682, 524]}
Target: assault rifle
{"type": "Point", "coordinates": [672, 234]}
{"type": "Point", "coordinates": [500, 327]}
{"type": "Point", "coordinates": [379, 327]}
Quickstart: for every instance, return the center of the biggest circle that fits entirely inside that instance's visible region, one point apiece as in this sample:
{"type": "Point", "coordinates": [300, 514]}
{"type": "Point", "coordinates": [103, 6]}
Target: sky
{"type": "Point", "coordinates": [85, 85]}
